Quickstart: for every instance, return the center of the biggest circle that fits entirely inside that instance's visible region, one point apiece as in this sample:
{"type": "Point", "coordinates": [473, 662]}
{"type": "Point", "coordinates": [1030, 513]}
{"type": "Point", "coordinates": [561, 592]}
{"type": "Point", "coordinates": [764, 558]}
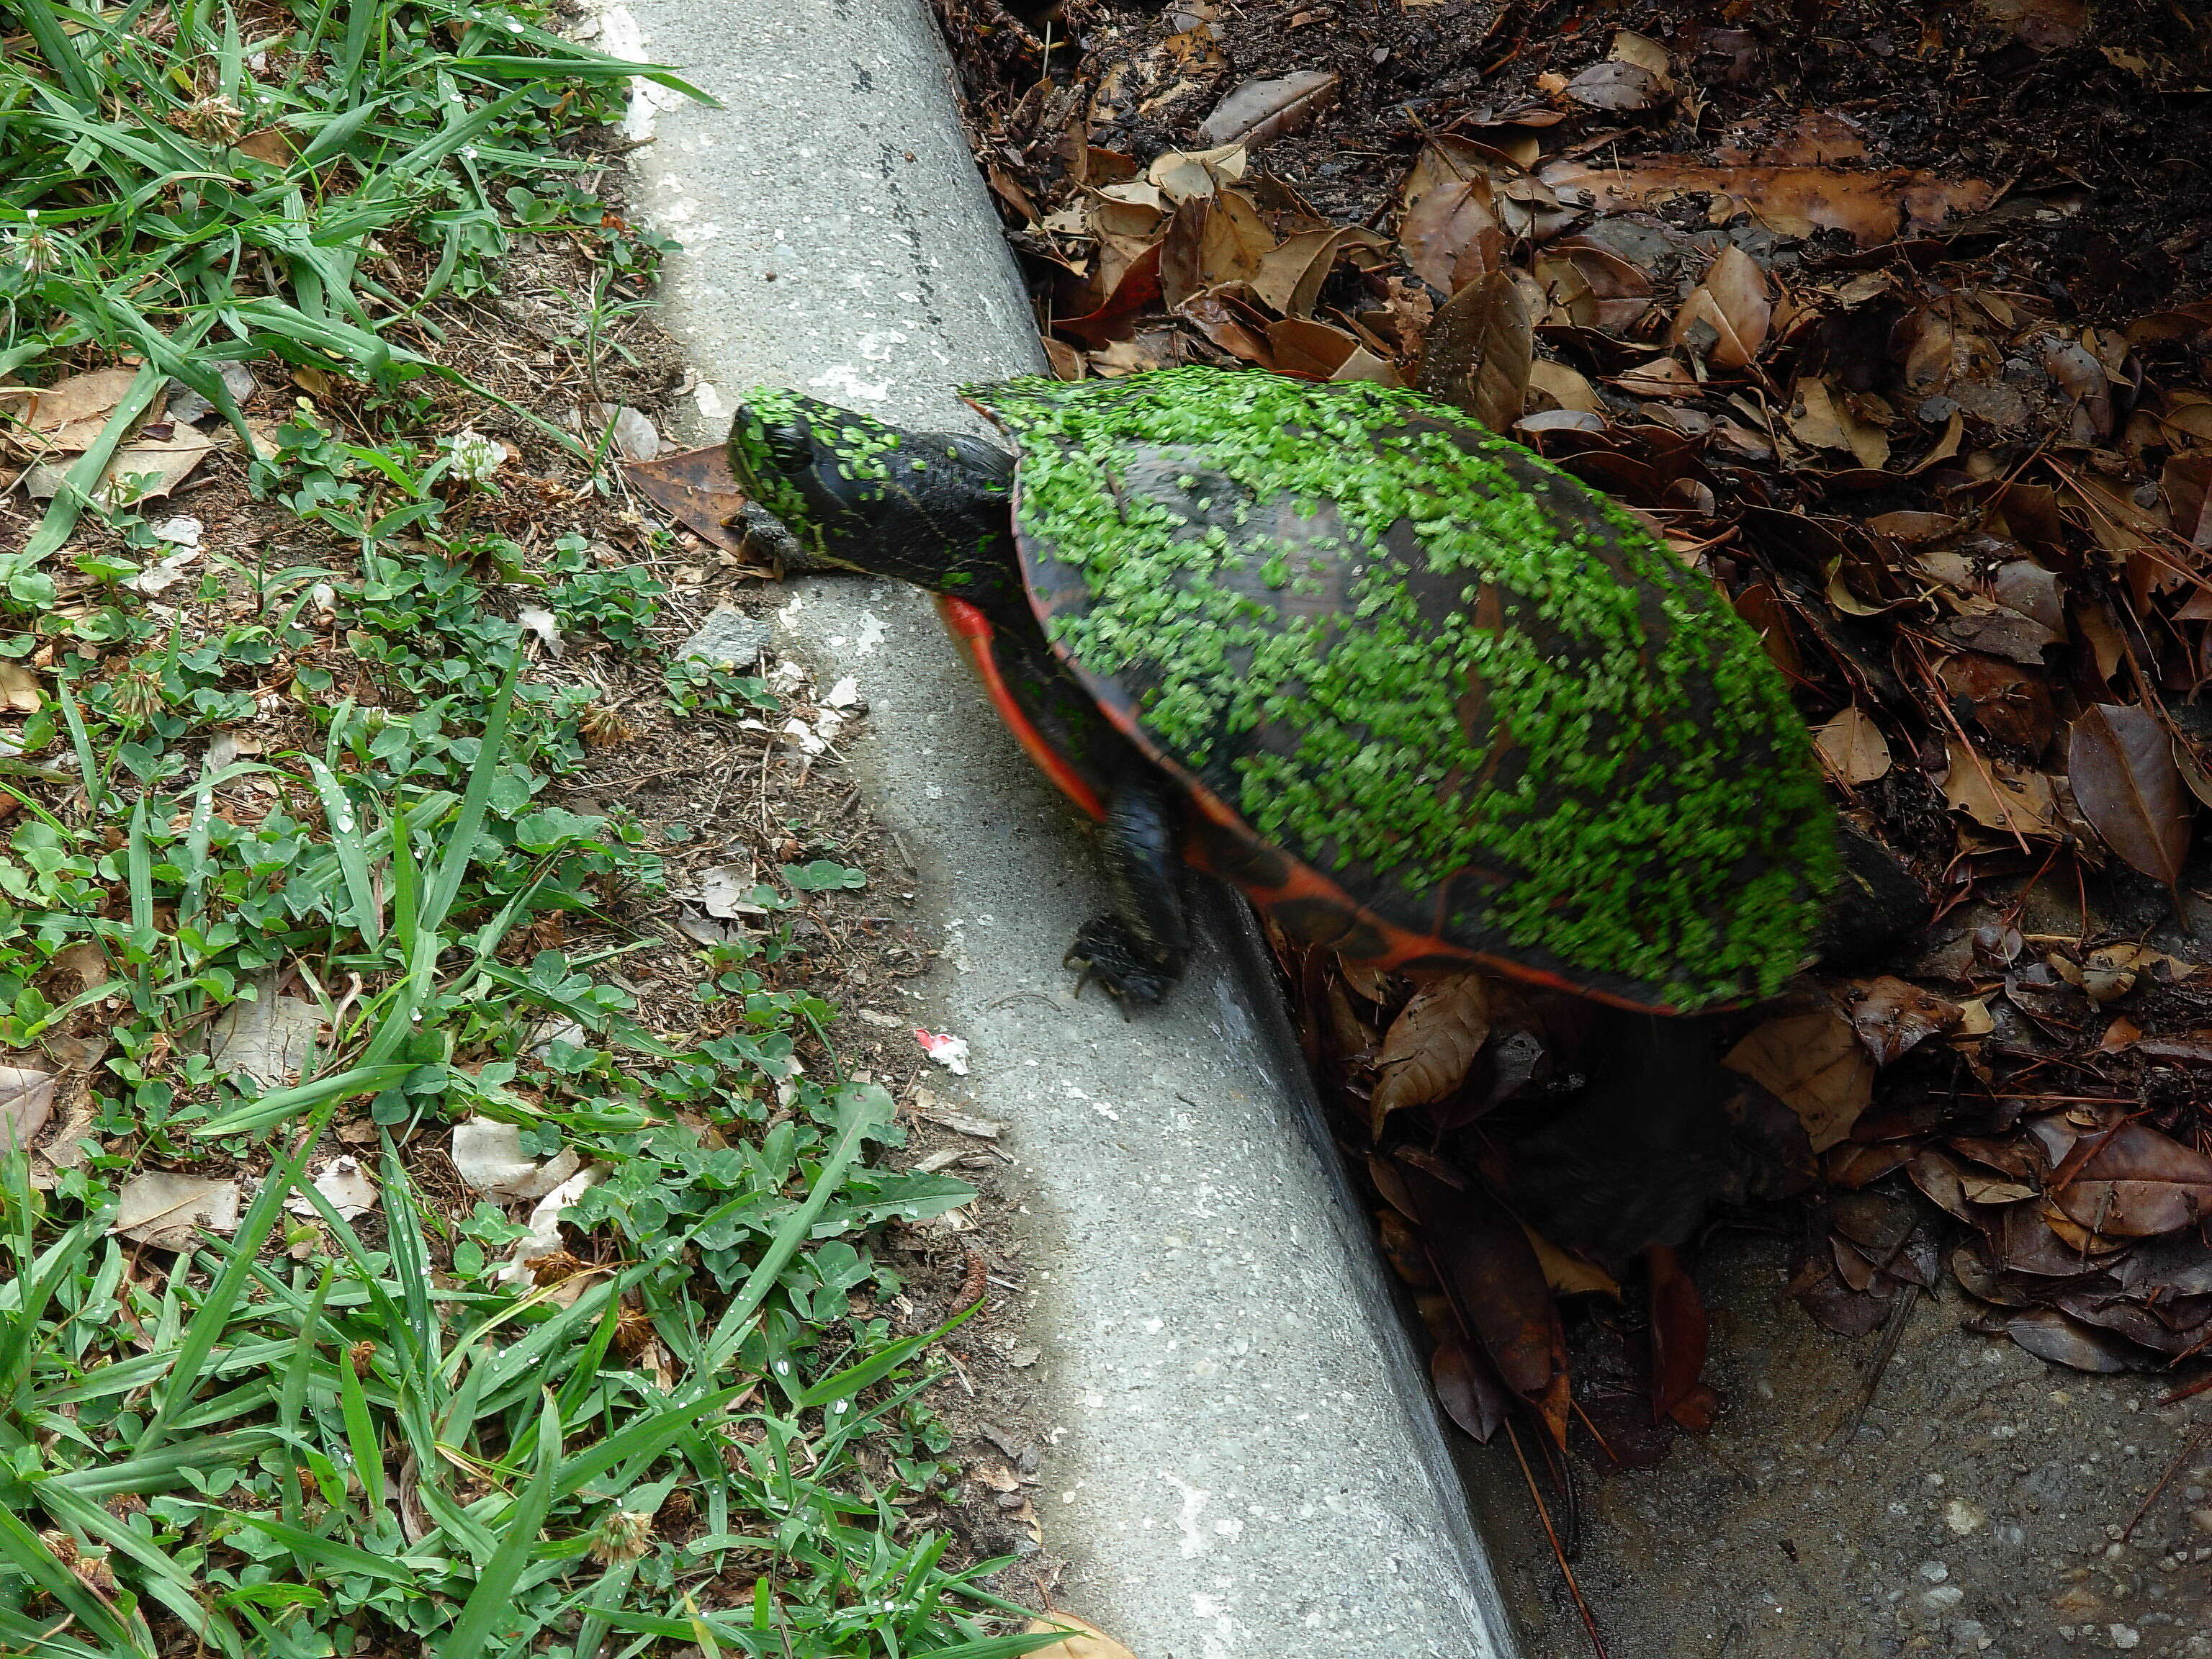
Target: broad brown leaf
{"type": "Point", "coordinates": [1478, 350]}
{"type": "Point", "coordinates": [1813, 1063]}
{"type": "Point", "coordinates": [167, 1210]}
{"type": "Point", "coordinates": [1568, 1274]}
{"type": "Point", "coordinates": [1468, 1389]}
{"type": "Point", "coordinates": [1852, 748]}
{"type": "Point", "coordinates": [697, 490]}
{"type": "Point", "coordinates": [1872, 206]}
{"type": "Point", "coordinates": [2011, 705]}
{"type": "Point", "coordinates": [2022, 1242]}
{"type": "Point", "coordinates": [26, 1101]}
{"type": "Point", "coordinates": [1999, 795]}
{"type": "Point", "coordinates": [2040, 25]}
{"type": "Point", "coordinates": [2139, 1183]}
{"type": "Point", "coordinates": [1451, 235]}
{"type": "Point", "coordinates": [1567, 388]}
{"type": "Point", "coordinates": [1430, 1046]}
{"type": "Point", "coordinates": [1258, 113]}
{"type": "Point", "coordinates": [1942, 1182]}
{"type": "Point", "coordinates": [1618, 86]}
{"type": "Point", "coordinates": [71, 412]}
{"type": "Point", "coordinates": [1310, 350]}
{"type": "Point", "coordinates": [1291, 274]}
{"type": "Point", "coordinates": [272, 145]}
{"type": "Point", "coordinates": [2050, 1334]}
{"type": "Point", "coordinates": [1679, 1332]}
{"type": "Point", "coordinates": [1727, 315]}
{"type": "Point", "coordinates": [1089, 1642]}
{"type": "Point", "coordinates": [2187, 486]}
{"type": "Point", "coordinates": [1832, 1304]}
{"type": "Point", "coordinates": [2120, 758]}
{"type": "Point", "coordinates": [1483, 1259]}
{"type": "Point", "coordinates": [1136, 286]}
{"type": "Point", "coordinates": [1892, 1016]}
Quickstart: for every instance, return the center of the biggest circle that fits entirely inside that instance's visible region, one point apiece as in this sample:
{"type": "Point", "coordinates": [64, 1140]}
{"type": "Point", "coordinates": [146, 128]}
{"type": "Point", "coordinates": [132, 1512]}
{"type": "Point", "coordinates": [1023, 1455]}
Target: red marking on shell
{"type": "Point", "coordinates": [1399, 945]}
{"type": "Point", "coordinates": [971, 630]}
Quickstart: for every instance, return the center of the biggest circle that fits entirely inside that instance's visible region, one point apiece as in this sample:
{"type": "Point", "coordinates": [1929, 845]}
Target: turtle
{"type": "Point", "coordinates": [1426, 699]}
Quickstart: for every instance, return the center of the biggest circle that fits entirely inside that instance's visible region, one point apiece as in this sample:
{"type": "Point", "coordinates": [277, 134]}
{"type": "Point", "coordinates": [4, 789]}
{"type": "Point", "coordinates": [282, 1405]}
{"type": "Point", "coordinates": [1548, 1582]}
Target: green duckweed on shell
{"type": "Point", "coordinates": [1431, 665]}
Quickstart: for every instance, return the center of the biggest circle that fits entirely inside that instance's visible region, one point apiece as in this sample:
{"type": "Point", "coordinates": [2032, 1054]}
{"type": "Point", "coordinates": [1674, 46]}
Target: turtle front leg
{"type": "Point", "coordinates": [1137, 950]}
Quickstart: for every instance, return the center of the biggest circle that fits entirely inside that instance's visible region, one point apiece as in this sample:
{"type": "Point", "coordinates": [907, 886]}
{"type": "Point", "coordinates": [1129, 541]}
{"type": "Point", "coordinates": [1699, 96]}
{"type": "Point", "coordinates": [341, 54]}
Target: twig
{"type": "Point", "coordinates": [1589, 1622]}
{"type": "Point", "coordinates": [2196, 1444]}
{"type": "Point", "coordinates": [1892, 1332]}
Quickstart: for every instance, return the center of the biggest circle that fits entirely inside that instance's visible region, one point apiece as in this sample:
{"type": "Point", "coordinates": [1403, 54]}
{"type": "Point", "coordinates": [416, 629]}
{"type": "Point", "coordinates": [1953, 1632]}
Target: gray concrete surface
{"type": "Point", "coordinates": [1245, 1462]}
{"type": "Point", "coordinates": [1977, 1515]}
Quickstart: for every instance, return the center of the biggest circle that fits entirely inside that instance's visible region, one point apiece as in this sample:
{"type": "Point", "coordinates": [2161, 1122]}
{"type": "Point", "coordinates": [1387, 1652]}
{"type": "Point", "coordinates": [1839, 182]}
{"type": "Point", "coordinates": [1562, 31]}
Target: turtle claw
{"type": "Point", "coordinates": [1106, 950]}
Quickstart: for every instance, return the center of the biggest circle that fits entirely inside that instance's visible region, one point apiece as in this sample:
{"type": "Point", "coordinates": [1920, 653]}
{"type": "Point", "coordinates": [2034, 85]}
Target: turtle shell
{"type": "Point", "coordinates": [1436, 702]}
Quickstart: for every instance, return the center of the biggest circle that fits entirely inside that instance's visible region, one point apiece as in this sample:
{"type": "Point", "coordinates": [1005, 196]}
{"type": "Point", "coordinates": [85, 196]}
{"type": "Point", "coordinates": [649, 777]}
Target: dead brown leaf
{"type": "Point", "coordinates": [82, 401]}
{"type": "Point", "coordinates": [1568, 1274]}
{"type": "Point", "coordinates": [167, 1211]}
{"type": "Point", "coordinates": [1450, 235]}
{"type": "Point", "coordinates": [1258, 113]}
{"type": "Point", "coordinates": [1663, 377]}
{"type": "Point", "coordinates": [1289, 274]}
{"type": "Point", "coordinates": [143, 470]}
{"type": "Point", "coordinates": [1562, 387]}
{"type": "Point", "coordinates": [1726, 316]}
{"type": "Point", "coordinates": [1852, 748]}
{"type": "Point", "coordinates": [2041, 25]}
{"type": "Point", "coordinates": [26, 1101]}
{"type": "Point", "coordinates": [2185, 483]}
{"type": "Point", "coordinates": [1892, 1016]}
{"type": "Point", "coordinates": [1814, 1064]}
{"type": "Point", "coordinates": [1087, 1641]}
{"type": "Point", "coordinates": [2050, 1334]}
{"type": "Point", "coordinates": [19, 688]}
{"type": "Point", "coordinates": [1999, 795]}
{"type": "Point", "coordinates": [697, 490]}
{"type": "Point", "coordinates": [1311, 351]}
{"type": "Point", "coordinates": [2139, 1183]}
{"type": "Point", "coordinates": [1429, 1047]}
{"type": "Point", "coordinates": [1872, 207]}
{"type": "Point", "coordinates": [1818, 139]}
{"type": "Point", "coordinates": [1478, 352]}
{"type": "Point", "coordinates": [1818, 417]}
{"type": "Point", "coordinates": [1482, 1257]}
{"type": "Point", "coordinates": [1186, 175]}
{"type": "Point", "coordinates": [1614, 85]}
{"type": "Point", "coordinates": [2012, 705]}
{"type": "Point", "coordinates": [2119, 758]}
{"type": "Point", "coordinates": [272, 146]}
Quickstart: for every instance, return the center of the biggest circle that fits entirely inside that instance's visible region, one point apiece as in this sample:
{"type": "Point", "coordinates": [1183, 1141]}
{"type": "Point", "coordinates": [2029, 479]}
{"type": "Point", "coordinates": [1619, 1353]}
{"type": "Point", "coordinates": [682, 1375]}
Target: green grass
{"type": "Point", "coordinates": [313, 1436]}
{"type": "Point", "coordinates": [146, 208]}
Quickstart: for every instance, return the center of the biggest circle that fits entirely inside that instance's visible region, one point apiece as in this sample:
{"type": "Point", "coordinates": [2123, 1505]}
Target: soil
{"type": "Point", "coordinates": [1976, 1510]}
{"type": "Point", "coordinates": [2112, 123]}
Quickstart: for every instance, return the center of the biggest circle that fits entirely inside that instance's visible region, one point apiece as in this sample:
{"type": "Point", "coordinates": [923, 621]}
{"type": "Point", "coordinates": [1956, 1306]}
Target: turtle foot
{"type": "Point", "coordinates": [1106, 949]}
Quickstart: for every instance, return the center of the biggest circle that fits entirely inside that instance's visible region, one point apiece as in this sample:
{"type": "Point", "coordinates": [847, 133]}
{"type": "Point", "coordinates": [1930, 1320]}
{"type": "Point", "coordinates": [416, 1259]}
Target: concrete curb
{"type": "Point", "coordinates": [1244, 1462]}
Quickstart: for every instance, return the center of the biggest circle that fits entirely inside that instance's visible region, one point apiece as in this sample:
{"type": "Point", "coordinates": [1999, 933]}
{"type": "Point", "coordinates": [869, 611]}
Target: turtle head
{"type": "Point", "coordinates": [927, 507]}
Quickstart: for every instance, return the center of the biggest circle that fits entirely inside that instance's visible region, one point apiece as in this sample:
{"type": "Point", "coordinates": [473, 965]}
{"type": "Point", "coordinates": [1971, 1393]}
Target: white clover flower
{"type": "Point", "coordinates": [474, 457]}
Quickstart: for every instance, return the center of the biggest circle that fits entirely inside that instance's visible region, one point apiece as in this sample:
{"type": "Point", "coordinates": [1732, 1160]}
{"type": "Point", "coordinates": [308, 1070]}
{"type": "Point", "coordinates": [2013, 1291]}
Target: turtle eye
{"type": "Point", "coordinates": [790, 445]}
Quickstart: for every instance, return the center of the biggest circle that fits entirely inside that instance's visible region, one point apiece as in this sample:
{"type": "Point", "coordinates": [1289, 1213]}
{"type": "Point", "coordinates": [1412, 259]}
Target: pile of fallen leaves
{"type": "Point", "coordinates": [1969, 511]}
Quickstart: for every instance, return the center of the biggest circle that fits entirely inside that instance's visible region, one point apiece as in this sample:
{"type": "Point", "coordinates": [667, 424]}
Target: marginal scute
{"type": "Point", "coordinates": [1480, 700]}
